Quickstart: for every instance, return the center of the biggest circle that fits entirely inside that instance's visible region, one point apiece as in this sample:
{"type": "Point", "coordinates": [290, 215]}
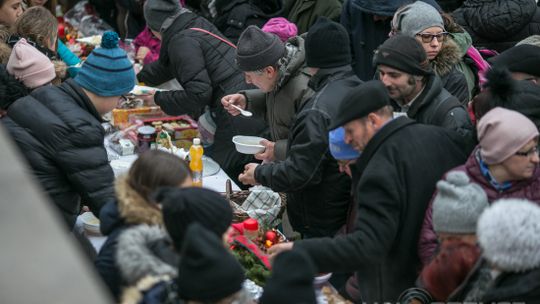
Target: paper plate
{"type": "Point", "coordinates": [210, 167]}
{"type": "Point", "coordinates": [92, 40]}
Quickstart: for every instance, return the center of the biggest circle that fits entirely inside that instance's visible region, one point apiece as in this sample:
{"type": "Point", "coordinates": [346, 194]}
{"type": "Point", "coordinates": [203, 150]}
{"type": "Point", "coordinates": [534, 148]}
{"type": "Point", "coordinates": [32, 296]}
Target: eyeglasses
{"type": "Point", "coordinates": [532, 151]}
{"type": "Point", "coordinates": [427, 37]}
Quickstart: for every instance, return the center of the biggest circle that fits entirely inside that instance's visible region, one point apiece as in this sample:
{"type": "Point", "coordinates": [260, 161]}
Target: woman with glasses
{"type": "Point", "coordinates": [424, 23]}
{"type": "Point", "coordinates": [504, 164]}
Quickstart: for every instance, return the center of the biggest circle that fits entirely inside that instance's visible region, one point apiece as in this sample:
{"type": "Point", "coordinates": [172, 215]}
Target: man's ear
{"type": "Point", "coordinates": [269, 71]}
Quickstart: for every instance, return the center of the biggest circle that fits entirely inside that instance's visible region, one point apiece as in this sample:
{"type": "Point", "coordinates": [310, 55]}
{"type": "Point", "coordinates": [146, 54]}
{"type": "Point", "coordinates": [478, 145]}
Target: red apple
{"type": "Point", "coordinates": [271, 236]}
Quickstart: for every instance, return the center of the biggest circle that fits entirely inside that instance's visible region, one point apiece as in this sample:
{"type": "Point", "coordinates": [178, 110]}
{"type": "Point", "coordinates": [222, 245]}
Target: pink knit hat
{"type": "Point", "coordinates": [280, 27]}
{"type": "Point", "coordinates": [503, 132]}
{"type": "Point", "coordinates": [29, 65]}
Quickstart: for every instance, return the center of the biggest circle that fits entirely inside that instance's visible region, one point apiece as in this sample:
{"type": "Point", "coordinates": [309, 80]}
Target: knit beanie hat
{"type": "Point", "coordinates": [281, 27]}
{"type": "Point", "coordinates": [416, 17]}
{"type": "Point", "coordinates": [157, 11]}
{"type": "Point", "coordinates": [405, 54]}
{"type": "Point", "coordinates": [183, 206]}
{"type": "Point", "coordinates": [29, 65]}
{"type": "Point", "coordinates": [257, 49]}
{"type": "Point", "coordinates": [503, 132]}
{"type": "Point", "coordinates": [107, 71]}
{"type": "Point", "coordinates": [458, 204]}
{"type": "Point", "coordinates": [338, 148]}
{"type": "Point", "coordinates": [523, 58]}
{"type": "Point", "coordinates": [327, 45]}
{"type": "Point", "coordinates": [207, 272]}
{"type": "Point", "coordinates": [296, 284]}
{"type": "Point", "coordinates": [508, 233]}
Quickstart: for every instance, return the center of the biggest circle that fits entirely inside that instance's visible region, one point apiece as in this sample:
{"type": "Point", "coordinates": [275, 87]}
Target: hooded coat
{"type": "Point", "coordinates": [445, 65]}
{"type": "Point", "coordinates": [205, 66]}
{"type": "Point", "coordinates": [129, 209]}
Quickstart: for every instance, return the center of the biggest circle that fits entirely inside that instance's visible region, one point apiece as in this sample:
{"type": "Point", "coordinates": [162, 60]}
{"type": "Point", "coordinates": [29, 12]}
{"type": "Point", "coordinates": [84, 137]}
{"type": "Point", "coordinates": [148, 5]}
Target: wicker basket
{"type": "Point", "coordinates": [236, 199]}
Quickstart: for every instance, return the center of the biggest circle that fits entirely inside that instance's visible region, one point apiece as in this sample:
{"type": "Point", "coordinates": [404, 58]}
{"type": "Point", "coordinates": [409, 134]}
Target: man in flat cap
{"type": "Point", "coordinates": [400, 164]}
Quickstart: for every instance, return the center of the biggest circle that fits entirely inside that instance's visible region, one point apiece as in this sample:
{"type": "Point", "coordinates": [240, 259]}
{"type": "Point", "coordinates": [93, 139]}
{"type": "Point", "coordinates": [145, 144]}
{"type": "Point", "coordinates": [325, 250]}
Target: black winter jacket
{"type": "Point", "coordinates": [398, 171]}
{"type": "Point", "coordinates": [59, 132]}
{"type": "Point", "coordinates": [233, 17]}
{"type": "Point", "coordinates": [205, 67]}
{"type": "Point", "coordinates": [435, 106]}
{"type": "Point", "coordinates": [498, 24]}
{"type": "Point", "coordinates": [365, 33]}
{"type": "Point", "coordinates": [318, 195]}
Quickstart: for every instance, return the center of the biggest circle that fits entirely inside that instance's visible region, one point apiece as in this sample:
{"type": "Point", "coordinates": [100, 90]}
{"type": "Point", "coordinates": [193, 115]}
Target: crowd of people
{"type": "Point", "coordinates": [404, 134]}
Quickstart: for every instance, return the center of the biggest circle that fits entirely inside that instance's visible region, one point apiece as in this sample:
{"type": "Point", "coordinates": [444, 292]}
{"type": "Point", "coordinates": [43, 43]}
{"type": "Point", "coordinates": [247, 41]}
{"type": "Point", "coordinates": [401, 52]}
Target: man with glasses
{"type": "Point", "coordinates": [504, 164]}
{"type": "Point", "coordinates": [403, 67]}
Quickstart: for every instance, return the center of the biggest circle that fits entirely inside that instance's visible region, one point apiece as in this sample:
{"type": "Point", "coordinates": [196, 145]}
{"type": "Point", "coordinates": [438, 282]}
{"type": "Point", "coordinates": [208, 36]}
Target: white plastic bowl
{"type": "Point", "coordinates": [90, 223]}
{"type": "Point", "coordinates": [248, 144]}
{"type": "Point", "coordinates": [320, 280]}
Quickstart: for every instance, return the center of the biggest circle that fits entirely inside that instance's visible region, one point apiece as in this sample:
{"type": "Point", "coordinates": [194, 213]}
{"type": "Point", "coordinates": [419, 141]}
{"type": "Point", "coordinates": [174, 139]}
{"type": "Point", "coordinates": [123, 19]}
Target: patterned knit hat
{"type": "Point", "coordinates": [107, 71]}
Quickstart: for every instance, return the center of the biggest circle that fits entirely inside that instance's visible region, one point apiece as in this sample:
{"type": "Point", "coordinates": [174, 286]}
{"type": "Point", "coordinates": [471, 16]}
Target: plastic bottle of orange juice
{"type": "Point", "coordinates": [196, 163]}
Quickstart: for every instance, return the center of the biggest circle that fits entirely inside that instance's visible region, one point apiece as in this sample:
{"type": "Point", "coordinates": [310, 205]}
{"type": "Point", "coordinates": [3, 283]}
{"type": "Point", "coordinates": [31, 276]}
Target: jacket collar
{"type": "Point", "coordinates": [133, 208]}
{"type": "Point", "coordinates": [323, 76]}
{"type": "Point", "coordinates": [378, 139]}
{"type": "Point", "coordinates": [448, 57]}
{"type": "Point", "coordinates": [71, 88]}
{"type": "Point", "coordinates": [431, 91]}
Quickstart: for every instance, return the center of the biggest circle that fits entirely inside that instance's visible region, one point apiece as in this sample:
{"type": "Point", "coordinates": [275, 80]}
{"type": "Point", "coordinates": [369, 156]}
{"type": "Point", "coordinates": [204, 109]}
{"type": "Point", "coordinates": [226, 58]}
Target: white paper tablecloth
{"type": "Point", "coordinates": [215, 182]}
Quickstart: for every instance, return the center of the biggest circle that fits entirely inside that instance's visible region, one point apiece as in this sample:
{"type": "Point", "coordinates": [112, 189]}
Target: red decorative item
{"type": "Point", "coordinates": [271, 236]}
{"type": "Point", "coordinates": [251, 224]}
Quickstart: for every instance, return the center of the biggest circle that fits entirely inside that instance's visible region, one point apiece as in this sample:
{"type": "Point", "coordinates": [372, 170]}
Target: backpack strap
{"type": "Point", "coordinates": [213, 35]}
{"type": "Point", "coordinates": [446, 104]}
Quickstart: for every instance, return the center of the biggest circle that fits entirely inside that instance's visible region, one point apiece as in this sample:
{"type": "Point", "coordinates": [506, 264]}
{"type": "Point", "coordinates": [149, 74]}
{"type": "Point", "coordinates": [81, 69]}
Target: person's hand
{"type": "Point", "coordinates": [345, 166]}
{"type": "Point", "coordinates": [141, 53]}
{"type": "Point", "coordinates": [279, 248]}
{"type": "Point", "coordinates": [148, 99]}
{"type": "Point", "coordinates": [248, 177]}
{"type": "Point", "coordinates": [268, 154]}
{"type": "Point", "coordinates": [238, 100]}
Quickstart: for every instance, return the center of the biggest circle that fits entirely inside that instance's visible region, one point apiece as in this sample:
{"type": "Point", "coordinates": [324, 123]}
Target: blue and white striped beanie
{"type": "Point", "coordinates": [107, 71]}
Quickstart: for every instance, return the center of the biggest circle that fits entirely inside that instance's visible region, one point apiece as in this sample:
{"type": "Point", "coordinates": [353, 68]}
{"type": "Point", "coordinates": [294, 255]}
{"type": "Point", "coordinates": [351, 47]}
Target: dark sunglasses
{"type": "Point", "coordinates": [427, 37]}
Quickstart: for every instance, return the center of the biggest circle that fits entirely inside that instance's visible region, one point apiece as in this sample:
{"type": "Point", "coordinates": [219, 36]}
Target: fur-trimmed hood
{"type": "Point", "coordinates": [144, 250]}
{"type": "Point", "coordinates": [133, 208]}
{"type": "Point", "coordinates": [447, 59]}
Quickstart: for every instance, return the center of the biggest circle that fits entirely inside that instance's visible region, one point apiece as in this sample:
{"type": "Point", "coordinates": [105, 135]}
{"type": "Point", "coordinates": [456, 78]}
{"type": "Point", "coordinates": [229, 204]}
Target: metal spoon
{"type": "Point", "coordinates": [242, 111]}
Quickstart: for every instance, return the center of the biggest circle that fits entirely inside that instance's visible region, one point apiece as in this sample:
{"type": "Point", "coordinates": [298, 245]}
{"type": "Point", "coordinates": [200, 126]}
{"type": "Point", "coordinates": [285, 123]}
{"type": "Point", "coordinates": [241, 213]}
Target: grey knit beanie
{"type": "Point", "coordinates": [257, 49]}
{"type": "Point", "coordinates": [458, 204]}
{"type": "Point", "coordinates": [416, 17]}
{"type": "Point", "coordinates": [157, 11]}
{"type": "Point", "coordinates": [509, 234]}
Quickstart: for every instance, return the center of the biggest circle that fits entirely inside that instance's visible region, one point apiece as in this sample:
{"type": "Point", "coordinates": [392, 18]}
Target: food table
{"type": "Point", "coordinates": [214, 178]}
